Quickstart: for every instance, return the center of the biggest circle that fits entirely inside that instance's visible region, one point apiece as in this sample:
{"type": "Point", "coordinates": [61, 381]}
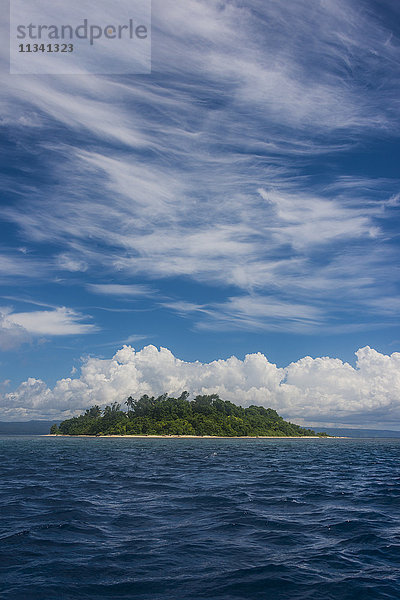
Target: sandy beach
{"type": "Point", "coordinates": [202, 437]}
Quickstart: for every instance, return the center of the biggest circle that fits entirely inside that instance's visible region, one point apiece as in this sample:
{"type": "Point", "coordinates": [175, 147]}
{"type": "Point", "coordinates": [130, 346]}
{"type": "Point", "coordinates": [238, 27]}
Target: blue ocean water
{"type": "Point", "coordinates": [195, 519]}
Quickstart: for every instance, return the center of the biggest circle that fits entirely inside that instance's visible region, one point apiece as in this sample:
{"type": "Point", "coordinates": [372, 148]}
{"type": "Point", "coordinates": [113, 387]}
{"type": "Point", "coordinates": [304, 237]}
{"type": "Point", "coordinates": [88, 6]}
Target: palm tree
{"type": "Point", "coordinates": [131, 403]}
{"type": "Point", "coordinates": [93, 412]}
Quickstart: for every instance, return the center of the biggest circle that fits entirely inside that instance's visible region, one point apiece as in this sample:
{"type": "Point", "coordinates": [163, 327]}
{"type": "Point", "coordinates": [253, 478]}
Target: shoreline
{"type": "Point", "coordinates": [202, 437]}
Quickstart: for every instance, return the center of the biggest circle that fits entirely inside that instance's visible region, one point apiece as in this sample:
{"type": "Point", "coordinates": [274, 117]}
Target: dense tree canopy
{"type": "Point", "coordinates": [204, 415]}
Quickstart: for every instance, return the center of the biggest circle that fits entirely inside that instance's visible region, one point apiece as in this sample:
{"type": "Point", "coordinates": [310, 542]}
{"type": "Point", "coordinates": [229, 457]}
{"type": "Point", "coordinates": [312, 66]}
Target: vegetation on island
{"type": "Point", "coordinates": [204, 415]}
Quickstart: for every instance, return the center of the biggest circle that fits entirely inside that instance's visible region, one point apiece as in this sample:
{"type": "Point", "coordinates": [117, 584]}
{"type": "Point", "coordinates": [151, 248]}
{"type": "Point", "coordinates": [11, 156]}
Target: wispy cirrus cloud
{"type": "Point", "coordinates": [21, 266]}
{"type": "Point", "coordinates": [205, 170]}
{"type": "Point", "coordinates": [252, 313]}
{"type": "Point", "coordinates": [282, 243]}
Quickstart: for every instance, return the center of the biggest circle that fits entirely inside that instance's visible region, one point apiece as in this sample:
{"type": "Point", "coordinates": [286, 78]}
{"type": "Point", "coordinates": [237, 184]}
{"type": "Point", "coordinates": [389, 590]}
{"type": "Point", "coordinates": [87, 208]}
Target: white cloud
{"type": "Point", "coordinates": [17, 266]}
{"type": "Point", "coordinates": [12, 335]}
{"type": "Point", "coordinates": [281, 242]}
{"type": "Point", "coordinates": [17, 328]}
{"type": "Point", "coordinates": [298, 63]}
{"type": "Point", "coordinates": [320, 390]}
{"type": "Point", "coordinates": [71, 263]}
{"type": "Point", "coordinates": [115, 289]}
{"type": "Point", "coordinates": [165, 169]}
{"type": "Point", "coordinates": [252, 312]}
{"type": "Point", "coordinates": [304, 221]}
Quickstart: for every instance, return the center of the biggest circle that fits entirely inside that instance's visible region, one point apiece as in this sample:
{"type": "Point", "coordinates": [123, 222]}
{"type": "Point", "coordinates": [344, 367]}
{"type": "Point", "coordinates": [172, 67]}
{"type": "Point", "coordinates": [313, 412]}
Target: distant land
{"type": "Point", "coordinates": [360, 433]}
{"type": "Point", "coordinates": [26, 427]}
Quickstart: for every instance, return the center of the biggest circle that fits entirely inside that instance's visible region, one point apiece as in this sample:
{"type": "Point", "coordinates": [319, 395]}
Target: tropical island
{"type": "Point", "coordinates": [205, 415]}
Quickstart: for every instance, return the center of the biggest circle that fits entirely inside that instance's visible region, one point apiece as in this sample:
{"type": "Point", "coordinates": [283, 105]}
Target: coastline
{"type": "Point", "coordinates": [210, 437]}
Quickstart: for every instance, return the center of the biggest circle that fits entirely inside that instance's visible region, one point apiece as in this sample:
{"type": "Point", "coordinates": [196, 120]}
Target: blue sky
{"type": "Point", "coordinates": [242, 198]}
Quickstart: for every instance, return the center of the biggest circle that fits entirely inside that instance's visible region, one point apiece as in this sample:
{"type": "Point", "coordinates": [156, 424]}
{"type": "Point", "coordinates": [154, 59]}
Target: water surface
{"type": "Point", "coordinates": [181, 519]}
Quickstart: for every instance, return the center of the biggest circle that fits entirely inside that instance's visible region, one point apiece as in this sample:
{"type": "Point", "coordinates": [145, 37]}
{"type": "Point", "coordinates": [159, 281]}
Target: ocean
{"type": "Point", "coordinates": [188, 519]}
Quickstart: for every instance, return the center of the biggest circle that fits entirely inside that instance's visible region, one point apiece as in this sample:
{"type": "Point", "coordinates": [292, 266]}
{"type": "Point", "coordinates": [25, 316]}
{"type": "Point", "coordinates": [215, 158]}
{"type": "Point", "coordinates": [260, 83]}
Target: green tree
{"type": "Point", "coordinates": [94, 411]}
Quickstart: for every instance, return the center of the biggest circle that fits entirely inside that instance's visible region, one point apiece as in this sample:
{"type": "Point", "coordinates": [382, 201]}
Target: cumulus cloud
{"type": "Point", "coordinates": [309, 391]}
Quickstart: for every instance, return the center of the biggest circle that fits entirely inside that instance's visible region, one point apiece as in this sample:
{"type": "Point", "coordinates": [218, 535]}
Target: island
{"type": "Point", "coordinates": [205, 415]}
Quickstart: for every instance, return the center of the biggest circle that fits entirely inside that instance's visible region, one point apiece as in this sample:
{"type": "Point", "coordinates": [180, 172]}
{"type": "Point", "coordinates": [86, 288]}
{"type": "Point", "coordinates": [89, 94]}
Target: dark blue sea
{"type": "Point", "coordinates": [188, 519]}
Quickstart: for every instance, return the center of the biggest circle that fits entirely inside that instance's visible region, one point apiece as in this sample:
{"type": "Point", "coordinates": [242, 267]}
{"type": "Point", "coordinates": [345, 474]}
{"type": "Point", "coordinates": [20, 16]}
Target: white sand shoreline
{"type": "Point", "coordinates": [202, 437]}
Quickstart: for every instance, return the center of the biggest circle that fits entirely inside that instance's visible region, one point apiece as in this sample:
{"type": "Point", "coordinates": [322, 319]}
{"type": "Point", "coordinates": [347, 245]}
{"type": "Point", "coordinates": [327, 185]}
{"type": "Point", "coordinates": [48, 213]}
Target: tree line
{"type": "Point", "coordinates": [165, 415]}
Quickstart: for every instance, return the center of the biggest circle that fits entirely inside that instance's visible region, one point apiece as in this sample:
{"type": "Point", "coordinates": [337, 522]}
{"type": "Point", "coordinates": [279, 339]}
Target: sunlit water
{"type": "Point", "coordinates": [186, 519]}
